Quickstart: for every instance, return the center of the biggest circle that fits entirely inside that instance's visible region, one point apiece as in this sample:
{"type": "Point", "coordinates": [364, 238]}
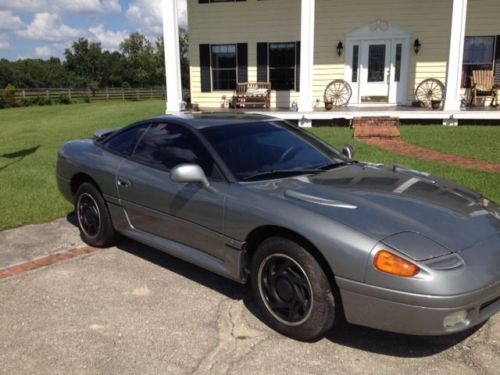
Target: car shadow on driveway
{"type": "Point", "coordinates": [357, 337]}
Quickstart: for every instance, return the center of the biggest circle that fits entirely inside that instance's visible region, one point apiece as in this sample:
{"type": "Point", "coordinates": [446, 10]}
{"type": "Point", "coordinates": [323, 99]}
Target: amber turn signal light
{"type": "Point", "coordinates": [394, 265]}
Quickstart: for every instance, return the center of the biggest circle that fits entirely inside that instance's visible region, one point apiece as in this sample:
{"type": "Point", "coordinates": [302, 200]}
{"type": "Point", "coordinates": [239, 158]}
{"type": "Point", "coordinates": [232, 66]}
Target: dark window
{"type": "Point", "coordinates": [478, 55]}
{"type": "Point", "coordinates": [282, 66]}
{"type": "Point", "coordinates": [124, 142]}
{"type": "Point", "coordinates": [376, 62]}
{"type": "Point", "coordinates": [399, 53]}
{"type": "Point", "coordinates": [165, 146]}
{"type": "Point", "coordinates": [355, 63]}
{"type": "Point", "coordinates": [224, 66]}
{"type": "Point", "coordinates": [248, 149]}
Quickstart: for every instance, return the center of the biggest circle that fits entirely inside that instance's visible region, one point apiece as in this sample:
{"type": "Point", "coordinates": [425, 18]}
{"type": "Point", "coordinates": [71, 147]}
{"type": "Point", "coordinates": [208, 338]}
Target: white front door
{"type": "Point", "coordinates": [375, 64]}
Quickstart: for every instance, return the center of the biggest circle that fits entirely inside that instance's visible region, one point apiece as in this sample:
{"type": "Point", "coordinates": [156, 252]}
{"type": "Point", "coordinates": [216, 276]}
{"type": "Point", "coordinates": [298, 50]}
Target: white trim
{"type": "Point", "coordinates": [172, 56]}
{"type": "Point", "coordinates": [456, 55]}
{"type": "Point", "coordinates": [307, 54]}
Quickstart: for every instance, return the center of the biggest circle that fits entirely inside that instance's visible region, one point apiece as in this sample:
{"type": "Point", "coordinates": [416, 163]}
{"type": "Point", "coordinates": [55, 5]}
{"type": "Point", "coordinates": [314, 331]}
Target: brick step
{"type": "Point", "coordinates": [376, 127]}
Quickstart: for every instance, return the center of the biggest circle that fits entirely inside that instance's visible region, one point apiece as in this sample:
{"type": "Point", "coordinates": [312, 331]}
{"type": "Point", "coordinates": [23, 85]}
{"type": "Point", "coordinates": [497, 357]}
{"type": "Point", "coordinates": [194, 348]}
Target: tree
{"type": "Point", "coordinates": [140, 60]}
{"type": "Point", "coordinates": [184, 55]}
{"type": "Point", "coordinates": [84, 61]}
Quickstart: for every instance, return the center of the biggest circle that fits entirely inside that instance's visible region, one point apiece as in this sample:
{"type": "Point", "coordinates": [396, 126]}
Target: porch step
{"type": "Point", "coordinates": [376, 127]}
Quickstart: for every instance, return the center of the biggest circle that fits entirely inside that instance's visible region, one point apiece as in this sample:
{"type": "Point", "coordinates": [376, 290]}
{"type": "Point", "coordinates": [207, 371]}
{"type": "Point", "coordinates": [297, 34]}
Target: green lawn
{"type": "Point", "coordinates": [477, 142]}
{"type": "Point", "coordinates": [30, 137]}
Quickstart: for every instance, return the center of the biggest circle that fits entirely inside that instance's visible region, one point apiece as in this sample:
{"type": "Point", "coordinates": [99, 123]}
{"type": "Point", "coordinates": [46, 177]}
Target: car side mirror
{"type": "Point", "coordinates": [348, 152]}
{"type": "Point", "coordinates": [189, 173]}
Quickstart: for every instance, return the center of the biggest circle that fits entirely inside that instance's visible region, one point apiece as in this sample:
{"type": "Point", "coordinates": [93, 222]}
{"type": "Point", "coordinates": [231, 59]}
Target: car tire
{"type": "Point", "coordinates": [292, 290]}
{"type": "Point", "coordinates": [94, 220]}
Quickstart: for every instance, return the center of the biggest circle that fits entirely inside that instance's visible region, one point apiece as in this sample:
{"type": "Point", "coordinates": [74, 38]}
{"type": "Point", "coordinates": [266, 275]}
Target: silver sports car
{"type": "Point", "coordinates": [320, 237]}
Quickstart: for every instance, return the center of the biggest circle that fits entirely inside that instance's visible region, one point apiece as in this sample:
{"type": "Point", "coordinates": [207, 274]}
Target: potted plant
{"type": "Point", "coordinates": [436, 104]}
{"type": "Point", "coordinates": [328, 106]}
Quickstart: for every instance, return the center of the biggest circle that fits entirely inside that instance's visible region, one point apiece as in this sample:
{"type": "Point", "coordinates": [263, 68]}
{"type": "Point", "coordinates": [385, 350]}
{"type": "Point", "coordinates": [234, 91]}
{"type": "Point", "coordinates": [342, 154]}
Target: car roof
{"type": "Point", "coordinates": [213, 119]}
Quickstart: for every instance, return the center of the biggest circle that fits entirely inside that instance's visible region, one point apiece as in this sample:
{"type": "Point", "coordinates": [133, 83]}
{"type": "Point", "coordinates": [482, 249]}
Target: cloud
{"type": "Point", "coordinates": [4, 41]}
{"type": "Point", "coordinates": [73, 6]}
{"type": "Point", "coordinates": [109, 39]}
{"type": "Point", "coordinates": [146, 15]}
{"type": "Point", "coordinates": [10, 21]}
{"type": "Point", "coordinates": [43, 52]}
{"type": "Point", "coordinates": [49, 27]}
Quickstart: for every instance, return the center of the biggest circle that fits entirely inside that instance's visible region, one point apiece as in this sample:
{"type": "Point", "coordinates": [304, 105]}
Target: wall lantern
{"type": "Point", "coordinates": [417, 46]}
{"type": "Point", "coordinates": [340, 48]}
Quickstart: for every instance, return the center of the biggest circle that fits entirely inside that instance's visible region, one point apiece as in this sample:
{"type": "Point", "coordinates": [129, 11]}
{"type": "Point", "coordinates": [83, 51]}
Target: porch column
{"type": "Point", "coordinates": [456, 56]}
{"type": "Point", "coordinates": [172, 56]}
{"type": "Point", "coordinates": [307, 55]}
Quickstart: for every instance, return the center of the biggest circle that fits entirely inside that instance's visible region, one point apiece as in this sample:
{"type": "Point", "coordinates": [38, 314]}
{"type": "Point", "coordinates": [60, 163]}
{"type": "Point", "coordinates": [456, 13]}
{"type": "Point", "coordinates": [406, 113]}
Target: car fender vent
{"type": "Point", "coordinates": [317, 200]}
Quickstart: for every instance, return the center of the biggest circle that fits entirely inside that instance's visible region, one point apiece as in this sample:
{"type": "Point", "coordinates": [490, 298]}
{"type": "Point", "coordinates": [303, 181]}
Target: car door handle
{"type": "Point", "coordinates": [123, 182]}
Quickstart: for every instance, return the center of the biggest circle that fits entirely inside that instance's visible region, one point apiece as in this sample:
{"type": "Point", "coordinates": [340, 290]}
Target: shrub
{"type": "Point", "coordinates": [10, 95]}
{"type": "Point", "coordinates": [36, 100]}
{"type": "Point", "coordinates": [3, 103]}
{"type": "Point", "coordinates": [63, 99]}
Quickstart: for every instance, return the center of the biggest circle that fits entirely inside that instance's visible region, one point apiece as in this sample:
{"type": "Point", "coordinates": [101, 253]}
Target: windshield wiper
{"type": "Point", "coordinates": [279, 173]}
{"type": "Point", "coordinates": [329, 166]}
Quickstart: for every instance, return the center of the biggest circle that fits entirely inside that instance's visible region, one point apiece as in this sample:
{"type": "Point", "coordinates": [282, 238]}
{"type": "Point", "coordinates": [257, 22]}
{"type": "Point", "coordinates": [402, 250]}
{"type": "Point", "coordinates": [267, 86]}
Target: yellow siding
{"type": "Point", "coordinates": [256, 21]}
{"type": "Point", "coordinates": [428, 20]}
{"type": "Point", "coordinates": [483, 18]}
{"type": "Point", "coordinates": [241, 22]}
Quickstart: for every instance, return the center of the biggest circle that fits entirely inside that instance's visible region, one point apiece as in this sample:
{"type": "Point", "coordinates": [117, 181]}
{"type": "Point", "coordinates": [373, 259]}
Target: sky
{"type": "Point", "coordinates": [44, 28]}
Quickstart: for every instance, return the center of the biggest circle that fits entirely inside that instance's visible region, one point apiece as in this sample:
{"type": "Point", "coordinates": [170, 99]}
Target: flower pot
{"type": "Point", "coordinates": [436, 104]}
{"type": "Point", "coordinates": [328, 106]}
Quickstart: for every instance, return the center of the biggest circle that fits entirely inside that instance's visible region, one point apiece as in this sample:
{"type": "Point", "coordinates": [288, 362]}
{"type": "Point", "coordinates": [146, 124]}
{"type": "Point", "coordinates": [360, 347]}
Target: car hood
{"type": "Point", "coordinates": [383, 201]}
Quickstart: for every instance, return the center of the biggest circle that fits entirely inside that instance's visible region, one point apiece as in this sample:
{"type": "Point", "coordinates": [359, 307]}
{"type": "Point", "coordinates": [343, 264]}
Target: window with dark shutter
{"type": "Point", "coordinates": [262, 62]}
{"type": "Point", "coordinates": [478, 55]}
{"type": "Point", "coordinates": [282, 61]}
{"type": "Point", "coordinates": [297, 66]}
{"type": "Point", "coordinates": [206, 81]}
{"type": "Point", "coordinates": [242, 62]}
{"type": "Point", "coordinates": [224, 66]}
{"type": "Point", "coordinates": [497, 61]}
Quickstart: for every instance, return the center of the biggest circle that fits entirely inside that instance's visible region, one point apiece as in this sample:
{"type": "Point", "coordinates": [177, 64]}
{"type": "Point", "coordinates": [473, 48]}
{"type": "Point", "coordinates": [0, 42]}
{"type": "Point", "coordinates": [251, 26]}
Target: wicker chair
{"type": "Point", "coordinates": [252, 94]}
{"type": "Point", "coordinates": [483, 84]}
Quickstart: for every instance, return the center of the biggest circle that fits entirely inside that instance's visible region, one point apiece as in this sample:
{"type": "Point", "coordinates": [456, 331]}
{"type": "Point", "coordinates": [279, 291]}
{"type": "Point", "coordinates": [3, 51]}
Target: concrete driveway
{"type": "Point", "coordinates": [132, 309]}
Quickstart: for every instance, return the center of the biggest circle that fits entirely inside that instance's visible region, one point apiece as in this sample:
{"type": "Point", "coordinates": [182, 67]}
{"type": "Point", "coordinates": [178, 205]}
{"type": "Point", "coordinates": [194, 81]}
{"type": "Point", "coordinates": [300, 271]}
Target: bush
{"type": "Point", "coordinates": [10, 95]}
{"type": "Point", "coordinates": [3, 103]}
{"type": "Point", "coordinates": [36, 100]}
{"type": "Point", "coordinates": [63, 99]}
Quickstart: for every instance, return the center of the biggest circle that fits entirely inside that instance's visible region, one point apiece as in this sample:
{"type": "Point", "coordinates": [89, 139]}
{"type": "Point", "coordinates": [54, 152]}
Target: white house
{"type": "Point", "coordinates": [382, 48]}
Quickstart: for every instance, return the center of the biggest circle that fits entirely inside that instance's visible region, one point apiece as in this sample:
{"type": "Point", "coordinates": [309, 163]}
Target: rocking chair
{"type": "Point", "coordinates": [483, 84]}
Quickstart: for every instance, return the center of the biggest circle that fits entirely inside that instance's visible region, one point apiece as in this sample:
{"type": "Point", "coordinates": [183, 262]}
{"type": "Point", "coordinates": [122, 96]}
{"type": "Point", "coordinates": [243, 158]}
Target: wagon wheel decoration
{"type": "Point", "coordinates": [428, 91]}
{"type": "Point", "coordinates": [338, 93]}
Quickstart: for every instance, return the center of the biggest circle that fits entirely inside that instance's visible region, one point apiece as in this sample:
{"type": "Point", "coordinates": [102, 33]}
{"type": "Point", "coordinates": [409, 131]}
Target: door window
{"type": "Point", "coordinates": [355, 63]}
{"type": "Point", "coordinates": [376, 62]}
{"type": "Point", "coordinates": [165, 146]}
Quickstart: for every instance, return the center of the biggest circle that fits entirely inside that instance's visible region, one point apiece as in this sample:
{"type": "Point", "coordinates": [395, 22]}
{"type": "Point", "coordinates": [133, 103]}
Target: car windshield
{"type": "Point", "coordinates": [264, 150]}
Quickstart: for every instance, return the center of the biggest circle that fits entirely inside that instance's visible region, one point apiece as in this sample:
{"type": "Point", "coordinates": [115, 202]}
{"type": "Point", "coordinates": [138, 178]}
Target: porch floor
{"type": "Point", "coordinates": [402, 112]}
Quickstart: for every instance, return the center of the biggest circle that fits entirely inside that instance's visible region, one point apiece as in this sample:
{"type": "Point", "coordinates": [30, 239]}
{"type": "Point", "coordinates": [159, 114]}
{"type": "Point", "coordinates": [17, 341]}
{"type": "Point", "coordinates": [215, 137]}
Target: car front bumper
{"type": "Point", "coordinates": [415, 314]}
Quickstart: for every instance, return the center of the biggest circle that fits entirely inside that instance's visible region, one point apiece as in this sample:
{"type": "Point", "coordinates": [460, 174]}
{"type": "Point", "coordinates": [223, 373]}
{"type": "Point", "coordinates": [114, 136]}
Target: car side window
{"type": "Point", "coordinates": [165, 146]}
{"type": "Point", "coordinates": [124, 142]}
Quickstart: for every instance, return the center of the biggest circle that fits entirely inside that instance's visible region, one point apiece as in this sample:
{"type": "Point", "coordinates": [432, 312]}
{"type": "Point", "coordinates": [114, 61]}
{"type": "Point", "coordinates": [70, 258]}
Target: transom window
{"type": "Point", "coordinates": [282, 66]}
{"type": "Point", "coordinates": [478, 55]}
{"type": "Point", "coordinates": [224, 66]}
